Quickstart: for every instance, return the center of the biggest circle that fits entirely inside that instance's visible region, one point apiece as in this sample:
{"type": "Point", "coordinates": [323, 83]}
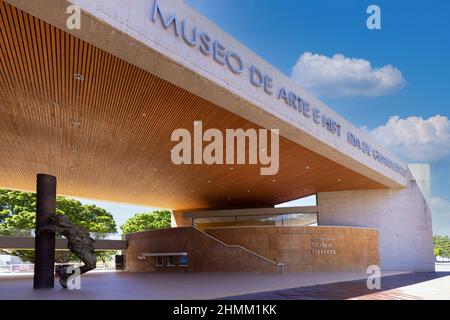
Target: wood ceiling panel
{"type": "Point", "coordinates": [108, 137]}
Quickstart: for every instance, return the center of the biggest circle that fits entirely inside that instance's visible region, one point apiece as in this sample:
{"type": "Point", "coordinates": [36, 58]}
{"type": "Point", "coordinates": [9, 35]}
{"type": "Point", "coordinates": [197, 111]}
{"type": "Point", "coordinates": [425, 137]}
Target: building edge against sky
{"type": "Point", "coordinates": [148, 34]}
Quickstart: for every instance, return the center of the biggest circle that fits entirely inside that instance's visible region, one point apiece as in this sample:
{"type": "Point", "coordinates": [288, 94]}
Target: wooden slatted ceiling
{"type": "Point", "coordinates": [108, 137]}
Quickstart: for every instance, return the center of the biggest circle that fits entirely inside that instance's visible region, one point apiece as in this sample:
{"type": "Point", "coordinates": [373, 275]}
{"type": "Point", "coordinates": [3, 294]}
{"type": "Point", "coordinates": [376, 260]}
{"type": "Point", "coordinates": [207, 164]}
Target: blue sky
{"type": "Point", "coordinates": [404, 67]}
{"type": "Point", "coordinates": [413, 39]}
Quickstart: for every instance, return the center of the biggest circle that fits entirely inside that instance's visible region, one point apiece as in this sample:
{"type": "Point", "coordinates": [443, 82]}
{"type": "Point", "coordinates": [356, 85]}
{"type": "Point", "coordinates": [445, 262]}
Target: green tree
{"type": "Point", "coordinates": [147, 221]}
{"type": "Point", "coordinates": [441, 246]}
{"type": "Point", "coordinates": [18, 212]}
{"type": "Point", "coordinates": [437, 252]}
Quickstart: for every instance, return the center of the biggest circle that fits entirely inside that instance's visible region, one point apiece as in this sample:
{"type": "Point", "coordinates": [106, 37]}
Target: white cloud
{"type": "Point", "coordinates": [416, 139]}
{"type": "Point", "coordinates": [341, 76]}
{"type": "Point", "coordinates": [441, 216]}
{"type": "Point", "coordinates": [440, 205]}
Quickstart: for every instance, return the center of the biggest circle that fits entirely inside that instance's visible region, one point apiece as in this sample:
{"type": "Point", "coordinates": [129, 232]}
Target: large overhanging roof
{"type": "Point", "coordinates": [108, 137]}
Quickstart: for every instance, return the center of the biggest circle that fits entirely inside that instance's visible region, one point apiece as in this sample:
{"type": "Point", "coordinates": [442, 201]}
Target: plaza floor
{"type": "Point", "coordinates": [154, 286]}
{"type": "Point", "coordinates": [410, 286]}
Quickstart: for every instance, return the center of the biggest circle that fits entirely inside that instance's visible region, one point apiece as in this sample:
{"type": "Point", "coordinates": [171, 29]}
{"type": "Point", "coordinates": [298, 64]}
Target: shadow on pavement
{"type": "Point", "coordinates": [343, 290]}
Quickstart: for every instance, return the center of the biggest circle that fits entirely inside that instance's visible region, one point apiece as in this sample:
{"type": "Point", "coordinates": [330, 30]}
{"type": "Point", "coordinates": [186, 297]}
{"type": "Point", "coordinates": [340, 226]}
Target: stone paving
{"type": "Point", "coordinates": [169, 286]}
{"type": "Point", "coordinates": [238, 286]}
{"type": "Point", "coordinates": [411, 286]}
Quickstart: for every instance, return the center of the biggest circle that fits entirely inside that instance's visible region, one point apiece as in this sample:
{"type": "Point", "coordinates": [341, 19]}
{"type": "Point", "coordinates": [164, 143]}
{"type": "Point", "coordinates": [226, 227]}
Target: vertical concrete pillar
{"type": "Point", "coordinates": [45, 241]}
{"type": "Point", "coordinates": [402, 217]}
{"type": "Point", "coordinates": [178, 220]}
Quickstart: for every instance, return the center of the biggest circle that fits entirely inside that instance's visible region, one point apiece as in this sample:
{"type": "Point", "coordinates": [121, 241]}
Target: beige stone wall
{"type": "Point", "coordinates": [338, 249]}
{"type": "Point", "coordinates": [205, 253]}
{"type": "Point", "coordinates": [342, 249]}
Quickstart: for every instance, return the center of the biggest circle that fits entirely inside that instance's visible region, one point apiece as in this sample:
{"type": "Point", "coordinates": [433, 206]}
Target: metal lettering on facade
{"type": "Point", "coordinates": [193, 37]}
{"type": "Point", "coordinates": [323, 246]}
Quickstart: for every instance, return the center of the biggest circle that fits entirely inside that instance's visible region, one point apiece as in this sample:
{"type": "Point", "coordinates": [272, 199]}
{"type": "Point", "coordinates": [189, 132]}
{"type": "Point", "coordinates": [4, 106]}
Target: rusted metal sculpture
{"type": "Point", "coordinates": [80, 243]}
{"type": "Point", "coordinates": [44, 245]}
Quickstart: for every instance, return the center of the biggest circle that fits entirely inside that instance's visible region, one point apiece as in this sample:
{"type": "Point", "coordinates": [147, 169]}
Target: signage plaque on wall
{"type": "Point", "coordinates": [323, 246]}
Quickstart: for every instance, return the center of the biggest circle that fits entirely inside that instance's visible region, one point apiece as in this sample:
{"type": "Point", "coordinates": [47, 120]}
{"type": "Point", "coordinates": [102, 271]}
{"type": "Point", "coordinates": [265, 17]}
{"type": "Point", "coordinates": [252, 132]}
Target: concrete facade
{"type": "Point", "coordinates": [402, 217]}
{"type": "Point", "coordinates": [422, 174]}
{"type": "Point", "coordinates": [177, 219]}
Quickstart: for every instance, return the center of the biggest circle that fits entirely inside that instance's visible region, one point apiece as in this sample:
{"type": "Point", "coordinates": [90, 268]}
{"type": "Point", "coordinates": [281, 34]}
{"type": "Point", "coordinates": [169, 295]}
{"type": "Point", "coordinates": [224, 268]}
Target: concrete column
{"type": "Point", "coordinates": [402, 217]}
{"type": "Point", "coordinates": [44, 265]}
{"type": "Point", "coordinates": [178, 220]}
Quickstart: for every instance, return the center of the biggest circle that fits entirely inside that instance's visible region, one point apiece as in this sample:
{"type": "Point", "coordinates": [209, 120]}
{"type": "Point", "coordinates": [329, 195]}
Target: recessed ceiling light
{"type": "Point", "coordinates": [76, 123]}
{"type": "Point", "coordinates": [308, 167]}
{"type": "Point", "coordinates": [78, 77]}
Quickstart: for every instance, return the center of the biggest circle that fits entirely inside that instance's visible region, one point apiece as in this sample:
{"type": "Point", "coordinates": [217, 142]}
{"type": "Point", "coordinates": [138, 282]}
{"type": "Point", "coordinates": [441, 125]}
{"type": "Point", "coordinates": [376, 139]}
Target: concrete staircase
{"type": "Point", "coordinates": [206, 253]}
{"type": "Point", "coordinates": [280, 266]}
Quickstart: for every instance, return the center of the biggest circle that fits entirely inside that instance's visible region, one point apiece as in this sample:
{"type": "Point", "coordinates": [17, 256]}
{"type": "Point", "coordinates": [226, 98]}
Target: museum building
{"type": "Point", "coordinates": [96, 107]}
